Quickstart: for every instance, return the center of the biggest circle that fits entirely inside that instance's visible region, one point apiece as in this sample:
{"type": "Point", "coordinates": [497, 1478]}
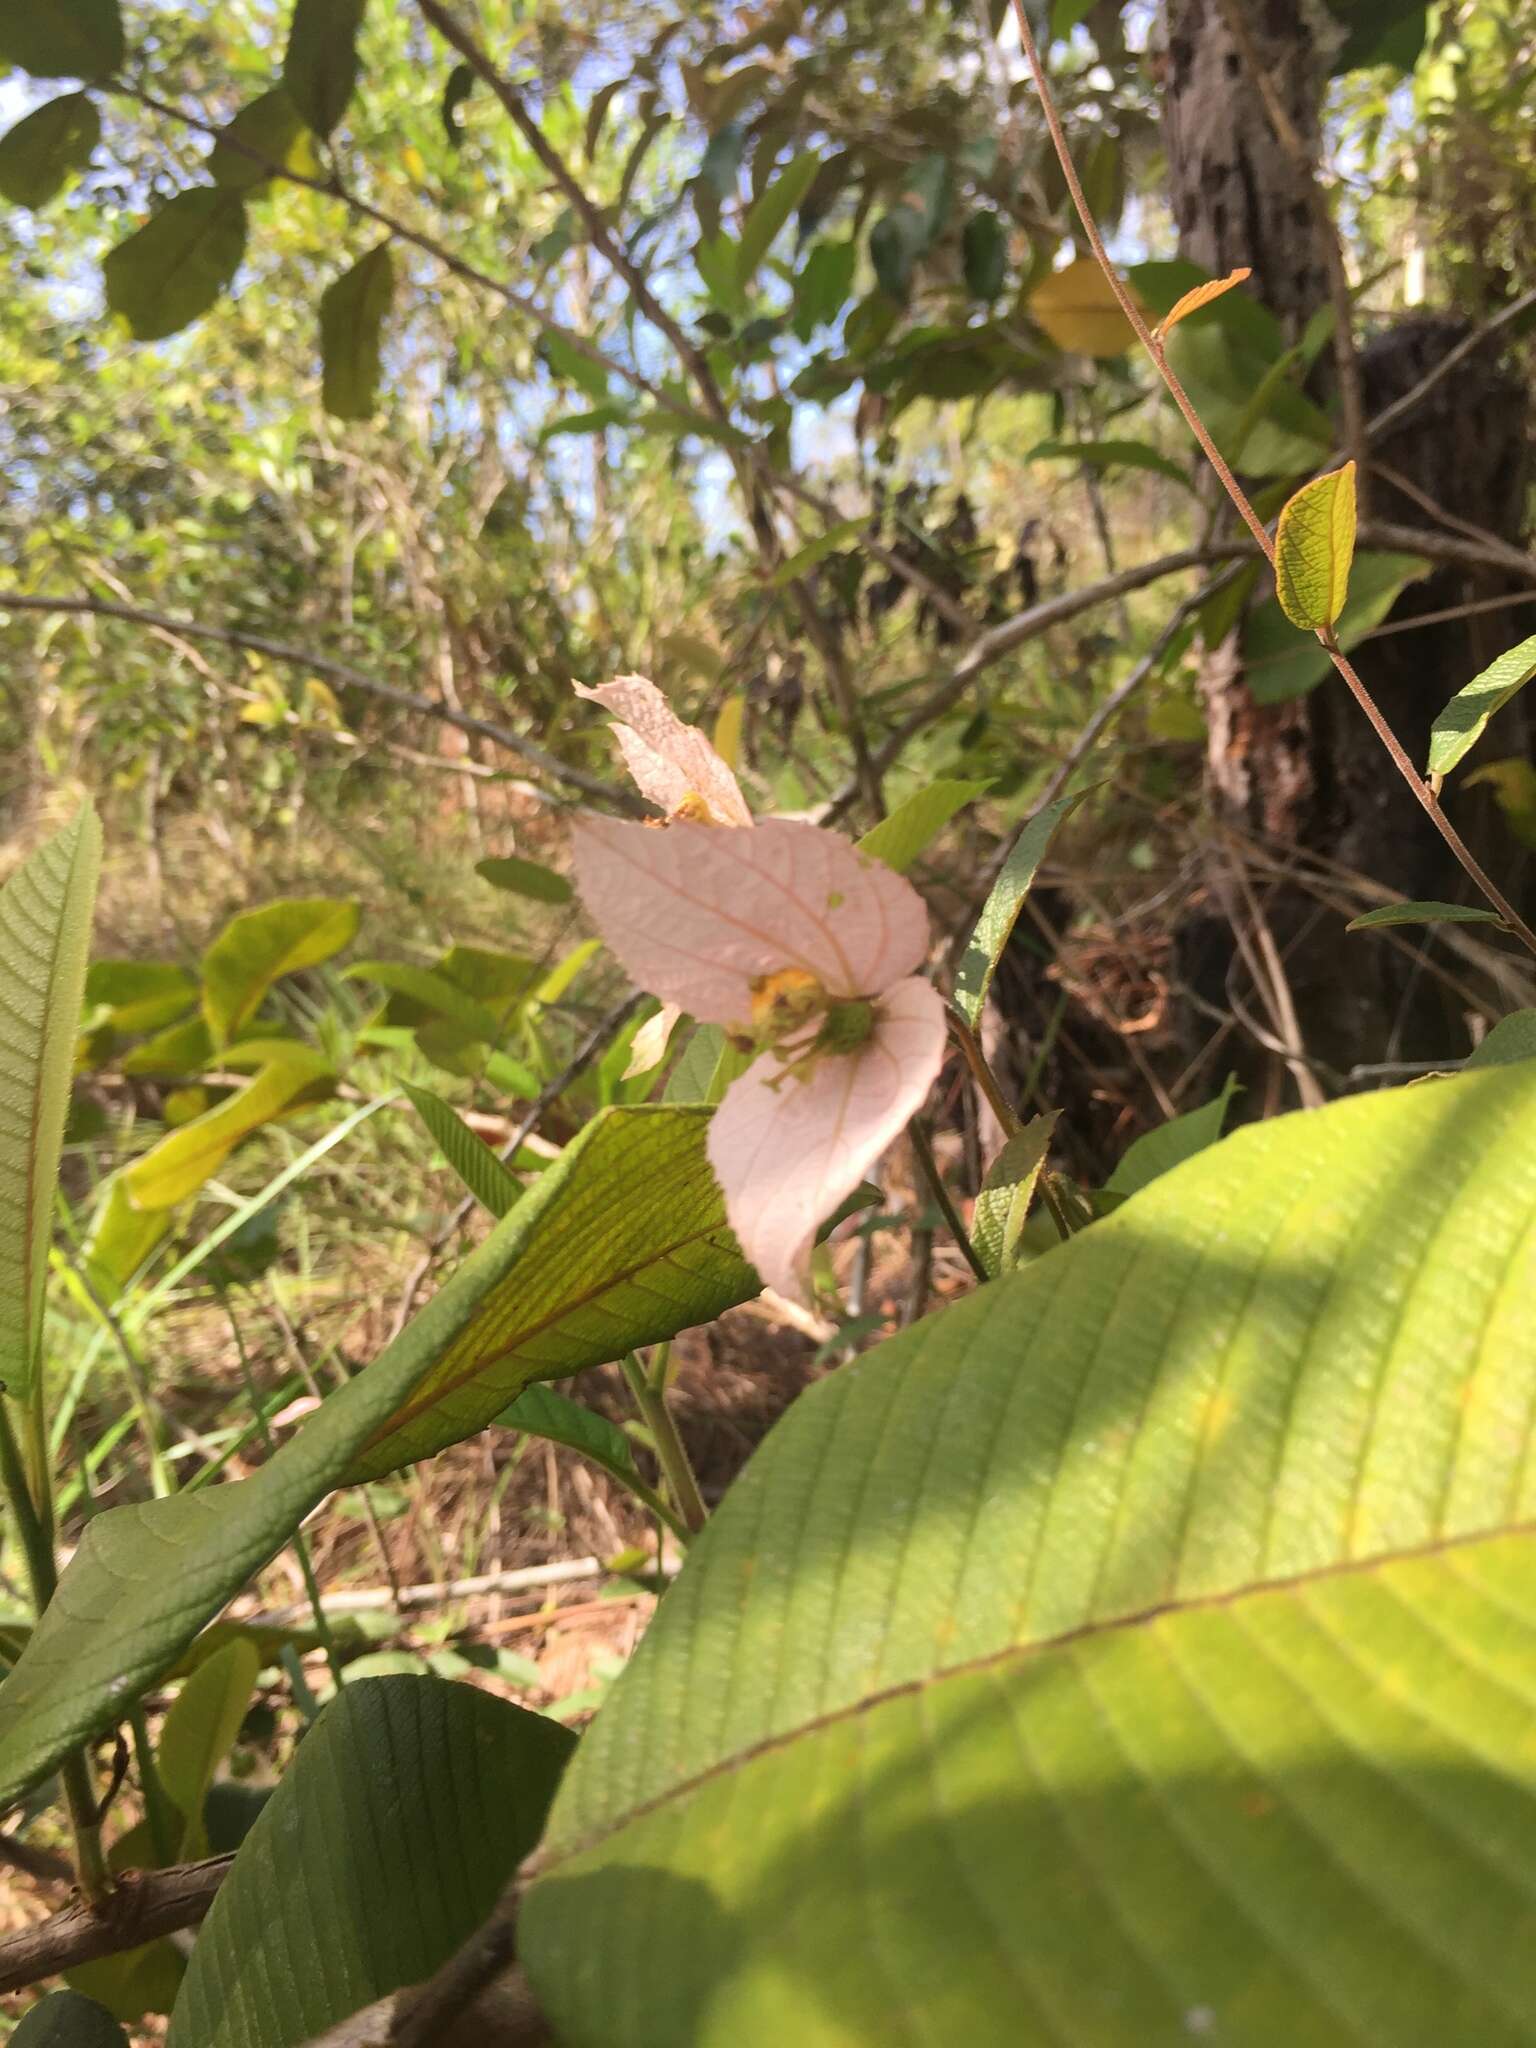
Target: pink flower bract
{"type": "Point", "coordinates": [672, 763]}
{"type": "Point", "coordinates": [703, 918]}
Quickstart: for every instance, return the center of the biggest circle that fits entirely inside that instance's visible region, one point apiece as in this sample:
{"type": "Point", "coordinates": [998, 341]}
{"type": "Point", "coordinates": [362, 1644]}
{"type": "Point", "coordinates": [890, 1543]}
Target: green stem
{"type": "Point", "coordinates": [923, 1152]}
{"type": "Point", "coordinates": [668, 1445]}
{"type": "Point", "coordinates": [42, 1570]}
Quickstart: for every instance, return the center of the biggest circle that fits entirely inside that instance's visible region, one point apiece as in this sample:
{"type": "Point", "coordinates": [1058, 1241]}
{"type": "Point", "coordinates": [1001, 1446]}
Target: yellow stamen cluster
{"type": "Point", "coordinates": [795, 1019]}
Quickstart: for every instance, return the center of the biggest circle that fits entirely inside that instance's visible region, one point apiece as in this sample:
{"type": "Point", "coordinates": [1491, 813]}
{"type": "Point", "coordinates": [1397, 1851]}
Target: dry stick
{"type": "Point", "coordinates": [1346, 359]}
{"type": "Point", "coordinates": [144, 1906]}
{"type": "Point", "coordinates": [1362, 696]}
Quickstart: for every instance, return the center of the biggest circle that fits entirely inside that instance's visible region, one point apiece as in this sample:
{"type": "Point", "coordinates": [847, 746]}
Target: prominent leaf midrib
{"type": "Point", "coordinates": [1020, 1654]}
{"type": "Point", "coordinates": [443, 1390]}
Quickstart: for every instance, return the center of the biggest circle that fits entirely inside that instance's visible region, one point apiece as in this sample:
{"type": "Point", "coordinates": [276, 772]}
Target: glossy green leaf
{"type": "Point", "coordinates": [46, 147]}
{"type": "Point", "coordinates": [1277, 665]}
{"type": "Point", "coordinates": [320, 63]}
{"type": "Point", "coordinates": [1157, 1151]}
{"type": "Point", "coordinates": [1422, 913]}
{"type": "Point", "coordinates": [198, 1733]}
{"type": "Point", "coordinates": [525, 878]}
{"type": "Point", "coordinates": [1512, 1038]}
{"type": "Point", "coordinates": [1002, 1204]}
{"type": "Point", "coordinates": [261, 946]}
{"type": "Point", "coordinates": [267, 136]}
{"type": "Point", "coordinates": [1000, 913]}
{"type": "Point", "coordinates": [918, 820]}
{"type": "Point", "coordinates": [1111, 455]}
{"type": "Point", "coordinates": [1137, 1651]}
{"type": "Point", "coordinates": [353, 310]}
{"type": "Point", "coordinates": [184, 1158]}
{"type": "Point", "coordinates": [540, 1411]}
{"type": "Point", "coordinates": [45, 933]}
{"type": "Point", "coordinates": [68, 2019]}
{"type": "Point", "coordinates": [493, 1185]}
{"type": "Point", "coordinates": [173, 269]}
{"type": "Point", "coordinates": [622, 1241]}
{"type": "Point", "coordinates": [62, 38]}
{"type": "Point", "coordinates": [771, 212]}
{"type": "Point", "coordinates": [404, 1815]}
{"type": "Point", "coordinates": [1314, 547]}
{"type": "Point", "coordinates": [1464, 720]}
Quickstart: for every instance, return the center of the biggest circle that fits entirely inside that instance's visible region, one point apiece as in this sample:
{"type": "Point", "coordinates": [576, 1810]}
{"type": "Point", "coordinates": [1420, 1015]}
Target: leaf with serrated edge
{"type": "Point", "coordinates": [387, 1843]}
{"type": "Point", "coordinates": [1000, 912]}
{"type": "Point", "coordinates": [1463, 721]}
{"type": "Point", "coordinates": [1139, 1648]}
{"type": "Point", "coordinates": [622, 1241]}
{"type": "Point", "coordinates": [1314, 547]}
{"type": "Point", "coordinates": [1002, 1205]}
{"type": "Point", "coordinates": [45, 933]}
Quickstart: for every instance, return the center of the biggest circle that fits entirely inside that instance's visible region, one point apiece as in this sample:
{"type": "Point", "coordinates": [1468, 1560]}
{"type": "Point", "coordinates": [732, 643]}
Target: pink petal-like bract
{"type": "Point", "coordinates": [648, 1047]}
{"type": "Point", "coordinates": [670, 762]}
{"type": "Point", "coordinates": [785, 1155]}
{"type": "Point", "coordinates": [696, 914]}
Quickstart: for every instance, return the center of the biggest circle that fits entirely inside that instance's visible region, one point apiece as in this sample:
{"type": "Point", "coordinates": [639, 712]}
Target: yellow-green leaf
{"type": "Point", "coordinates": [267, 136]}
{"type": "Point", "coordinates": [182, 1161]}
{"type": "Point", "coordinates": [320, 63]}
{"type": "Point", "coordinates": [62, 38]}
{"type": "Point", "coordinates": [1463, 721]}
{"type": "Point", "coordinates": [199, 1731]}
{"type": "Point", "coordinates": [1078, 309]}
{"type": "Point", "coordinates": [260, 946]}
{"type": "Point", "coordinates": [1314, 546]}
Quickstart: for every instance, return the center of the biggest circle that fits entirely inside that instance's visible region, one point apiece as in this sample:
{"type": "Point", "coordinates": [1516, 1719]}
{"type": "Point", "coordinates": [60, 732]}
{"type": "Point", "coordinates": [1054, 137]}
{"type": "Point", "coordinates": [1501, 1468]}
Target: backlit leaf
{"type": "Point", "coordinates": [770, 214]}
{"type": "Point", "coordinates": [1078, 309]}
{"type": "Point", "coordinates": [1202, 295]}
{"type": "Point", "coordinates": [183, 1160]}
{"type": "Point", "coordinates": [45, 932]}
{"type": "Point", "coordinates": [1314, 546]}
{"type": "Point", "coordinates": [352, 313]}
{"type": "Point", "coordinates": [1462, 723]}
{"type": "Point", "coordinates": [62, 38]}
{"type": "Point", "coordinates": [174, 268]}
{"type": "Point", "coordinates": [1278, 665]}
{"type": "Point", "coordinates": [46, 147]}
{"type": "Point", "coordinates": [198, 1733]}
{"type": "Point", "coordinates": [1002, 1205]}
{"type": "Point", "coordinates": [320, 64]}
{"type": "Point", "coordinates": [918, 820]}
{"type": "Point", "coordinates": [271, 135]}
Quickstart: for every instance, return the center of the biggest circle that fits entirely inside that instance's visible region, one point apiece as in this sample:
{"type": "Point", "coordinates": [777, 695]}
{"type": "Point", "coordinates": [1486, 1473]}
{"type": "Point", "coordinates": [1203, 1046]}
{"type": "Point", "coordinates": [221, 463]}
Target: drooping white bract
{"type": "Point", "coordinates": [798, 943]}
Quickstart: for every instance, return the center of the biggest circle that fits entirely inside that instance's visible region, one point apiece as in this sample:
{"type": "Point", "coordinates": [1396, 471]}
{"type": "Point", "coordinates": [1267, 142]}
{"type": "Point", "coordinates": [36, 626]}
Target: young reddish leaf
{"type": "Point", "coordinates": [1202, 295]}
{"type": "Point", "coordinates": [1314, 547]}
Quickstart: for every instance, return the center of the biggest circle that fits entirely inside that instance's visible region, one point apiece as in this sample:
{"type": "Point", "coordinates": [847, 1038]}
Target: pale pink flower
{"type": "Point", "coordinates": [800, 945]}
{"type": "Point", "coordinates": [673, 764]}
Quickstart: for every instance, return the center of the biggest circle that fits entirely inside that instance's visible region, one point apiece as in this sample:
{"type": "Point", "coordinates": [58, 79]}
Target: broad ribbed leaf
{"type": "Point", "coordinates": [1002, 1204]}
{"type": "Point", "coordinates": [621, 1242]}
{"type": "Point", "coordinates": [260, 946]}
{"type": "Point", "coordinates": [491, 1183]}
{"type": "Point", "coordinates": [1462, 723]}
{"type": "Point", "coordinates": [352, 314]}
{"type": "Point", "coordinates": [43, 149]}
{"type": "Point", "coordinates": [67, 2019]}
{"type": "Point", "coordinates": [173, 268]}
{"type": "Point", "coordinates": [1000, 912]}
{"type": "Point", "coordinates": [387, 1843]}
{"type": "Point", "coordinates": [1314, 546]}
{"type": "Point", "coordinates": [45, 931]}
{"type": "Point", "coordinates": [1137, 1652]}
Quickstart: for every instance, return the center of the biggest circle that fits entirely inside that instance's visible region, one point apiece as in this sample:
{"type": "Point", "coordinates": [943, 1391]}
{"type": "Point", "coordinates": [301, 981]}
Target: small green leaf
{"type": "Point", "coordinates": [259, 947]}
{"type": "Point", "coordinates": [273, 130]}
{"type": "Point", "coordinates": [918, 820]}
{"type": "Point", "coordinates": [540, 1411]}
{"type": "Point", "coordinates": [198, 1733]}
{"type": "Point", "coordinates": [62, 38]}
{"type": "Point", "coordinates": [183, 1049]}
{"type": "Point", "coordinates": [174, 268]}
{"type": "Point", "coordinates": [827, 543]}
{"type": "Point", "coordinates": [1157, 1151]}
{"type": "Point", "coordinates": [770, 213]}
{"type": "Point", "coordinates": [1001, 910]}
{"type": "Point", "coordinates": [491, 1183]}
{"type": "Point", "coordinates": [352, 313]}
{"type": "Point", "coordinates": [402, 1818]}
{"type": "Point", "coordinates": [1463, 721]}
{"type": "Point", "coordinates": [1422, 913]}
{"type": "Point", "coordinates": [461, 83]}
{"type": "Point", "coordinates": [1314, 546]}
{"type": "Point", "coordinates": [1002, 1205]}
{"type": "Point", "coordinates": [1111, 455]}
{"type": "Point", "coordinates": [39, 154]}
{"type": "Point", "coordinates": [1512, 1038]}
{"type": "Point", "coordinates": [525, 878]}
{"type": "Point", "coordinates": [984, 254]}
{"type": "Point", "coordinates": [45, 933]}
{"type": "Point", "coordinates": [418, 992]}
{"type": "Point", "coordinates": [68, 2019]}
{"type": "Point", "coordinates": [320, 65]}
{"type": "Point", "coordinates": [183, 1160]}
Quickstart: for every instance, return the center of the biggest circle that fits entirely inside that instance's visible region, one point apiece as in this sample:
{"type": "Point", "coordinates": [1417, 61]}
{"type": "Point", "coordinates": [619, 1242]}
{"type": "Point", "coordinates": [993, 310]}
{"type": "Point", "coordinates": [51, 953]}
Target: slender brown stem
{"type": "Point", "coordinates": [1423, 795]}
{"type": "Point", "coordinates": [144, 1906]}
{"type": "Point", "coordinates": [922, 1151]}
{"type": "Point", "coordinates": [981, 1072]}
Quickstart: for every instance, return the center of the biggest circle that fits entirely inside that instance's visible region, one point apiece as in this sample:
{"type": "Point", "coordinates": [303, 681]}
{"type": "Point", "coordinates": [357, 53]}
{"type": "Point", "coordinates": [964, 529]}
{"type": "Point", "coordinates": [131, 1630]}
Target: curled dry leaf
{"type": "Point", "coordinates": [1202, 295]}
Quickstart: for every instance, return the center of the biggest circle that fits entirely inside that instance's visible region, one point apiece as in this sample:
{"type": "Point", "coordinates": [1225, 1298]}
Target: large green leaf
{"type": "Point", "coordinates": [1138, 1651]}
{"type": "Point", "coordinates": [45, 930]}
{"type": "Point", "coordinates": [266, 136]}
{"type": "Point", "coordinates": [260, 946]}
{"type": "Point", "coordinates": [174, 267]}
{"type": "Point", "coordinates": [320, 62]}
{"type": "Point", "coordinates": [67, 2019]}
{"type": "Point", "coordinates": [352, 314]}
{"type": "Point", "coordinates": [621, 1242]}
{"type": "Point", "coordinates": [62, 38]}
{"type": "Point", "coordinates": [403, 1816]}
{"type": "Point", "coordinates": [43, 149]}
{"type": "Point", "coordinates": [1279, 664]}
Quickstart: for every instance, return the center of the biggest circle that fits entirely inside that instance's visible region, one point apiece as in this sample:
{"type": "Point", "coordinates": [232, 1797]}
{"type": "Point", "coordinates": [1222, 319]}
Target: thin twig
{"type": "Point", "coordinates": [144, 1906]}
